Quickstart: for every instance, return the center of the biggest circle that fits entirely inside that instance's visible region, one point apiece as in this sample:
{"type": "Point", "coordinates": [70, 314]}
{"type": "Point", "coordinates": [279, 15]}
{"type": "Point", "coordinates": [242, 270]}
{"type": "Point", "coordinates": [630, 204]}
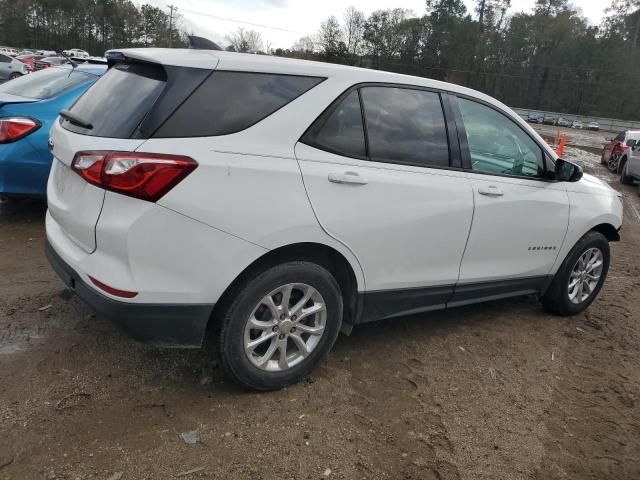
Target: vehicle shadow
{"type": "Point", "coordinates": [392, 339]}
{"type": "Point", "coordinates": [22, 210]}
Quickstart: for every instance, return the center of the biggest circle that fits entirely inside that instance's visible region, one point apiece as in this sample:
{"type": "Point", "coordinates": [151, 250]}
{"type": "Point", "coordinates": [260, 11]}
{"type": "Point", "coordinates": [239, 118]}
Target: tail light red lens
{"type": "Point", "coordinates": [14, 128]}
{"type": "Point", "coordinates": [147, 176]}
{"type": "Point", "coordinates": [619, 148]}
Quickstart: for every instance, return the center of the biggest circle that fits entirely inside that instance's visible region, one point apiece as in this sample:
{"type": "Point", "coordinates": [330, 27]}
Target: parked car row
{"type": "Point", "coordinates": [14, 52]}
{"type": "Point", "coordinates": [621, 155]}
{"type": "Point", "coordinates": [617, 152]}
{"type": "Point", "coordinates": [535, 117]}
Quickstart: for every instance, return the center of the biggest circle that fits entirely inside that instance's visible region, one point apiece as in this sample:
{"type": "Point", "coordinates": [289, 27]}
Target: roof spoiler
{"type": "Point", "coordinates": [200, 43]}
{"type": "Point", "coordinates": [113, 57]}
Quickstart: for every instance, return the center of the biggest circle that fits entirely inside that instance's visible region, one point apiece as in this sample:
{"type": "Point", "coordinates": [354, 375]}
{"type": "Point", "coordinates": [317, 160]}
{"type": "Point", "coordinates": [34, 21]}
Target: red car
{"type": "Point", "coordinates": [616, 148]}
{"type": "Point", "coordinates": [29, 60]}
{"type": "Point", "coordinates": [47, 62]}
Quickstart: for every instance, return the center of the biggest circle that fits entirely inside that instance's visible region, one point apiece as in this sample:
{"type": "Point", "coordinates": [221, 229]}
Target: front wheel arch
{"type": "Point", "coordinates": [609, 231]}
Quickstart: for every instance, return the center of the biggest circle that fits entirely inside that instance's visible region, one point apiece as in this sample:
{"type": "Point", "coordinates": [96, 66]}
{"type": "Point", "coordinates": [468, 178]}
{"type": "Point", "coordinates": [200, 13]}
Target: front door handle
{"type": "Point", "coordinates": [491, 191]}
{"type": "Point", "coordinates": [352, 178]}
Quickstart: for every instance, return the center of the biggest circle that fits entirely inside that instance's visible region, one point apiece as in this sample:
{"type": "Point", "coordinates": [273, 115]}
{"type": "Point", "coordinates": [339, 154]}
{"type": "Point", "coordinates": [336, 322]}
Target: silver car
{"type": "Point", "coordinates": [11, 68]}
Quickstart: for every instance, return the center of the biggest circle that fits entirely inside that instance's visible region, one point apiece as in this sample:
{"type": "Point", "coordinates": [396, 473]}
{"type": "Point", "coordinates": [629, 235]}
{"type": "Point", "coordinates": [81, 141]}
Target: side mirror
{"type": "Point", "coordinates": [567, 171]}
{"type": "Point", "coordinates": [631, 143]}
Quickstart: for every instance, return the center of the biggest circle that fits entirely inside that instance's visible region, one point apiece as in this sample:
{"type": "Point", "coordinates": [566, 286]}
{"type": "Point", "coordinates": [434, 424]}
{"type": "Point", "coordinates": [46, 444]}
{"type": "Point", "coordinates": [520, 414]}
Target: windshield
{"type": "Point", "coordinates": [45, 83]}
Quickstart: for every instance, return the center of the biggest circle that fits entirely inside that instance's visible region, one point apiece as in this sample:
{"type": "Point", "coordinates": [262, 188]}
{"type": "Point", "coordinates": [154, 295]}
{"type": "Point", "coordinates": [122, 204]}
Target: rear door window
{"type": "Point", "coordinates": [405, 126]}
{"type": "Point", "coordinates": [119, 101]}
{"type": "Point", "coordinates": [228, 102]}
{"type": "Point", "coordinates": [45, 83]}
{"type": "Point", "coordinates": [341, 131]}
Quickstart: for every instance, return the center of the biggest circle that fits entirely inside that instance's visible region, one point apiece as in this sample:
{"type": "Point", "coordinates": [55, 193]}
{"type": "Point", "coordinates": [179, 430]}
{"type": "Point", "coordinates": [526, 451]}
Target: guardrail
{"type": "Point", "coordinates": [607, 124]}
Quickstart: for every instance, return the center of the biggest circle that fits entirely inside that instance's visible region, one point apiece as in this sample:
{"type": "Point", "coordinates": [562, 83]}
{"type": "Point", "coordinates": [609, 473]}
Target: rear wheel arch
{"type": "Point", "coordinates": [320, 254]}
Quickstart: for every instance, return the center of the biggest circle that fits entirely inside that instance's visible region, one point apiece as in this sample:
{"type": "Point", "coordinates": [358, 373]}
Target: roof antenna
{"type": "Point", "coordinates": [73, 63]}
{"type": "Point", "coordinates": [201, 43]}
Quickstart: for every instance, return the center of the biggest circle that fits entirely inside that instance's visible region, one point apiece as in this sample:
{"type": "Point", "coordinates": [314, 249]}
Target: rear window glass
{"type": "Point", "coordinates": [119, 101]}
{"type": "Point", "coordinates": [342, 131]}
{"type": "Point", "coordinates": [228, 102]}
{"type": "Point", "coordinates": [45, 83]}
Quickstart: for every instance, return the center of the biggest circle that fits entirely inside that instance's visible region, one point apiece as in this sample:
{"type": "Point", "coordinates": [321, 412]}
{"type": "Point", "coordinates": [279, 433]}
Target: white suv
{"type": "Point", "coordinates": [630, 166]}
{"type": "Point", "coordinates": [279, 201]}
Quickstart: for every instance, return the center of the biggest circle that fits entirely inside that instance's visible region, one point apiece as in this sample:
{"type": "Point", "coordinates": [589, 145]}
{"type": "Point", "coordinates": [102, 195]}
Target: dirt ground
{"type": "Point", "coordinates": [495, 391]}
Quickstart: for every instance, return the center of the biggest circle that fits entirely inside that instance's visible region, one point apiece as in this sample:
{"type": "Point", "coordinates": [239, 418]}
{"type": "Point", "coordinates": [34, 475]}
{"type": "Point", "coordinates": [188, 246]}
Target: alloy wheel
{"type": "Point", "coordinates": [285, 327]}
{"type": "Point", "coordinates": [585, 275]}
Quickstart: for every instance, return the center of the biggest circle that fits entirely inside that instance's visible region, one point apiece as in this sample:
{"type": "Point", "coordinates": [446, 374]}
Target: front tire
{"type": "Point", "coordinates": [279, 325]}
{"type": "Point", "coordinates": [580, 277]}
{"type": "Point", "coordinates": [14, 75]}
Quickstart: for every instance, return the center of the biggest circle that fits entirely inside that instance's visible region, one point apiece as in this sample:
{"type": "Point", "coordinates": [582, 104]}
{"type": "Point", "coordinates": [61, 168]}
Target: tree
{"type": "Point", "coordinates": [93, 25]}
{"type": "Point", "coordinates": [245, 41]}
{"type": "Point", "coordinates": [381, 35]}
{"type": "Point", "coordinates": [444, 18]}
{"type": "Point", "coordinates": [330, 42]}
{"type": "Point", "coordinates": [491, 13]}
{"type": "Point", "coordinates": [354, 21]}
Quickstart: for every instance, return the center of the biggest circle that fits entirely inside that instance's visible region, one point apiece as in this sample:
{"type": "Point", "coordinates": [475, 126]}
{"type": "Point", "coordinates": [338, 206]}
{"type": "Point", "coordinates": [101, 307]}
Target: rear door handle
{"type": "Point", "coordinates": [491, 191]}
{"type": "Point", "coordinates": [352, 178]}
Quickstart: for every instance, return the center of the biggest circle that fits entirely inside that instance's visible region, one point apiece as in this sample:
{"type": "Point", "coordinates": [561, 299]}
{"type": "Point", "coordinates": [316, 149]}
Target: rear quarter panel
{"type": "Point", "coordinates": [249, 184]}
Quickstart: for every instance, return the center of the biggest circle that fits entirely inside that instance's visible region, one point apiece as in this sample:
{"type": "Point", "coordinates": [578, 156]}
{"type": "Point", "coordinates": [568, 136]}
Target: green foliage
{"type": "Point", "coordinates": [93, 25]}
{"type": "Point", "coordinates": [549, 59]}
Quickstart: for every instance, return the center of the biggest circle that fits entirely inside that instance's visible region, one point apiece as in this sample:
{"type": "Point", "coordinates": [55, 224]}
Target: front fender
{"type": "Point", "coordinates": [588, 211]}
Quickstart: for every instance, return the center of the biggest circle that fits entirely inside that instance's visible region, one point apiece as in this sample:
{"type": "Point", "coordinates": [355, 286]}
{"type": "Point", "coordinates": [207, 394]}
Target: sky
{"type": "Point", "coordinates": [282, 22]}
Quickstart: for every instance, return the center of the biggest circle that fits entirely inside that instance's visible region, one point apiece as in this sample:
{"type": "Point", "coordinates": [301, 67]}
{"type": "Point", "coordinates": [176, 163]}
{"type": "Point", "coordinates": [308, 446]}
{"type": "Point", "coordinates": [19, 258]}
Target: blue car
{"type": "Point", "coordinates": [535, 118]}
{"type": "Point", "coordinates": [28, 107]}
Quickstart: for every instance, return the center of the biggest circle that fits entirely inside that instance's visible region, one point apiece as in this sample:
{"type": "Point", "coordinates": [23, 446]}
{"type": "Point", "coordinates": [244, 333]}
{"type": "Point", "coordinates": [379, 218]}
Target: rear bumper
{"type": "Point", "coordinates": [165, 325]}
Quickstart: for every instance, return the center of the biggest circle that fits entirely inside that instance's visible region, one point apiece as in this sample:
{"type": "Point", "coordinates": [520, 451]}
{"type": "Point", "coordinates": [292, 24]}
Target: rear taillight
{"type": "Point", "coordinates": [619, 148]}
{"type": "Point", "coordinates": [147, 176]}
{"type": "Point", "coordinates": [14, 128]}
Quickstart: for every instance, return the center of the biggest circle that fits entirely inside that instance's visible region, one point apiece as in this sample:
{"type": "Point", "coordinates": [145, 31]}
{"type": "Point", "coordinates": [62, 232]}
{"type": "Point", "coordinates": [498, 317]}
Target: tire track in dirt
{"type": "Point", "coordinates": [595, 421]}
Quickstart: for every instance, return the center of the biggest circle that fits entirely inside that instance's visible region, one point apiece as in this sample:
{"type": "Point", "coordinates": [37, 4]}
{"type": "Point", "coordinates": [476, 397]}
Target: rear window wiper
{"type": "Point", "coordinates": [76, 120]}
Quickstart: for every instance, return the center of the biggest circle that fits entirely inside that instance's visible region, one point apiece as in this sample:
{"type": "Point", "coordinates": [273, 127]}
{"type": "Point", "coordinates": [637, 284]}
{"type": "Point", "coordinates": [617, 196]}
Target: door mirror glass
{"type": "Point", "coordinates": [567, 171]}
{"type": "Point", "coordinates": [631, 143]}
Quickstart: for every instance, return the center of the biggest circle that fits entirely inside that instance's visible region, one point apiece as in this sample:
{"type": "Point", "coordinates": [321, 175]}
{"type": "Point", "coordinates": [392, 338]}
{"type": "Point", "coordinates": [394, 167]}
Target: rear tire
{"type": "Point", "coordinates": [14, 75]}
{"type": "Point", "coordinates": [612, 163]}
{"type": "Point", "coordinates": [257, 311]}
{"type": "Point", "coordinates": [558, 298]}
{"type": "Point", "coordinates": [625, 179]}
